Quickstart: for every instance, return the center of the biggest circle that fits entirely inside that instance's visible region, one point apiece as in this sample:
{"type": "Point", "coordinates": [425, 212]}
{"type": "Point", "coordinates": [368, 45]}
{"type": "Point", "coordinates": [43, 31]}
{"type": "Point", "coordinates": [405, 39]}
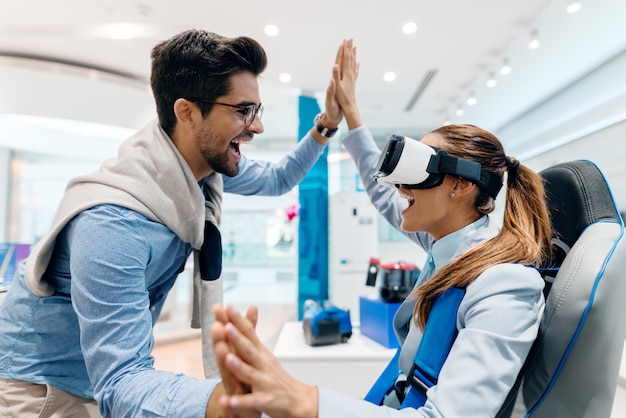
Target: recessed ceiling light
{"type": "Point", "coordinates": [389, 76]}
{"type": "Point", "coordinates": [285, 77]}
{"type": "Point", "coordinates": [573, 6]}
{"type": "Point", "coordinates": [533, 43]}
{"type": "Point", "coordinates": [491, 81]}
{"type": "Point", "coordinates": [409, 28]}
{"type": "Point", "coordinates": [271, 30]}
{"type": "Point", "coordinates": [506, 68]}
{"type": "Point", "coordinates": [471, 100]}
{"type": "Point", "coordinates": [460, 111]}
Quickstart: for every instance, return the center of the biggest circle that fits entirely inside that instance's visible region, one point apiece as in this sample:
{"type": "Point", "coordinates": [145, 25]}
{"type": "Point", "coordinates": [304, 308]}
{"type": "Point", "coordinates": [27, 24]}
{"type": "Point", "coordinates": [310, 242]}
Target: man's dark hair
{"type": "Point", "coordinates": [196, 63]}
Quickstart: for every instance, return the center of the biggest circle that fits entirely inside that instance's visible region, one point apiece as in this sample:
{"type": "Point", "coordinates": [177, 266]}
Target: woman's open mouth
{"type": "Point", "coordinates": [409, 199]}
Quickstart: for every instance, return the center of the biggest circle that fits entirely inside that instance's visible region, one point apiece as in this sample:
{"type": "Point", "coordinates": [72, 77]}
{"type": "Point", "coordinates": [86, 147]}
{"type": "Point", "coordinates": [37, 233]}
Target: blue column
{"type": "Point", "coordinates": [313, 225]}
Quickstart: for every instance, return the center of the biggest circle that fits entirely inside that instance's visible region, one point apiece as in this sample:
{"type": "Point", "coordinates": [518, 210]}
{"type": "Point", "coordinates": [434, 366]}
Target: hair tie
{"type": "Point", "coordinates": [511, 163]}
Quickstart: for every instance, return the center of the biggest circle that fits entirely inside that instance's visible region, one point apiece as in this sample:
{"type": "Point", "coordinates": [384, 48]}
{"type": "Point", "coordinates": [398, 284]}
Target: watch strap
{"type": "Point", "coordinates": [324, 131]}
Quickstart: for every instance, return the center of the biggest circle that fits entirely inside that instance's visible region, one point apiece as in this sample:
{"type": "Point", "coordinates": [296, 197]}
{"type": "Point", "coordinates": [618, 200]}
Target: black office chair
{"type": "Point", "coordinates": [573, 368]}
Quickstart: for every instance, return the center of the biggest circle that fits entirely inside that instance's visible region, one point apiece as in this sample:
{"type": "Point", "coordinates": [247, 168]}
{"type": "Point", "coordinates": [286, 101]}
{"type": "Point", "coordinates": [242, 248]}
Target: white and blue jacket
{"type": "Point", "coordinates": [497, 321]}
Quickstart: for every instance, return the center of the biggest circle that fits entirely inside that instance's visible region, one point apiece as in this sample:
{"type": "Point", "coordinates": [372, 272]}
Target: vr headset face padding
{"type": "Point", "coordinates": [414, 165]}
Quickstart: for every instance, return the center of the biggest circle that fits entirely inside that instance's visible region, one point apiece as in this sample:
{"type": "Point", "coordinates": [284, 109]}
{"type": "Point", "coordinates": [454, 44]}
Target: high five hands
{"type": "Point", "coordinates": [256, 380]}
{"type": "Point", "coordinates": [253, 379]}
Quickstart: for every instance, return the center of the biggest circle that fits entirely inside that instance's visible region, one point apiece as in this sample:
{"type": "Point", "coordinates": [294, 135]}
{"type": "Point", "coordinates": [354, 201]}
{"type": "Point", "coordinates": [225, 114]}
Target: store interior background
{"type": "Point", "coordinates": [70, 94]}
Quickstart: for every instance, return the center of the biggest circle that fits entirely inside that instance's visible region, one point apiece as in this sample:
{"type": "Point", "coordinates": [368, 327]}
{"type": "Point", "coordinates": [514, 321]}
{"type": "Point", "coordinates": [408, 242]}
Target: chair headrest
{"type": "Point", "coordinates": [577, 196]}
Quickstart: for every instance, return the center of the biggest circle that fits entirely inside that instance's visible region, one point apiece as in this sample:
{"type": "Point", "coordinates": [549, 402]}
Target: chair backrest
{"type": "Point", "coordinates": [573, 368]}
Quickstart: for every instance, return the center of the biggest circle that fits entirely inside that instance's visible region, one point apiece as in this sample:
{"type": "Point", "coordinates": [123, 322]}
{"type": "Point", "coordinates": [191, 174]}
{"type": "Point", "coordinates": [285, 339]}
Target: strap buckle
{"type": "Point", "coordinates": [416, 382]}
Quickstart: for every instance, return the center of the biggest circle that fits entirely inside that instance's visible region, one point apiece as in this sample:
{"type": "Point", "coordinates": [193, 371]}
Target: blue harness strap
{"type": "Point", "coordinates": [437, 339]}
{"type": "Point", "coordinates": [439, 335]}
{"type": "Point", "coordinates": [385, 382]}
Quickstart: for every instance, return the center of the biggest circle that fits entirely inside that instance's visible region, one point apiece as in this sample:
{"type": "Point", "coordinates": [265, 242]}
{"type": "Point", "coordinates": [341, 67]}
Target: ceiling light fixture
{"type": "Point", "coordinates": [506, 68]}
{"type": "Point", "coordinates": [459, 111]}
{"type": "Point", "coordinates": [533, 43]}
{"type": "Point", "coordinates": [389, 76]}
{"type": "Point", "coordinates": [471, 100]}
{"type": "Point", "coordinates": [409, 28]}
{"type": "Point", "coordinates": [285, 77]}
{"type": "Point", "coordinates": [271, 30]}
{"type": "Point", "coordinates": [491, 81]}
{"type": "Point", "coordinates": [573, 6]}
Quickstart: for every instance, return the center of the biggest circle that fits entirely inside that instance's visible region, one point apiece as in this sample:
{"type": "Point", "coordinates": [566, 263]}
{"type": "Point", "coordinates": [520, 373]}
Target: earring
{"type": "Point", "coordinates": [451, 195]}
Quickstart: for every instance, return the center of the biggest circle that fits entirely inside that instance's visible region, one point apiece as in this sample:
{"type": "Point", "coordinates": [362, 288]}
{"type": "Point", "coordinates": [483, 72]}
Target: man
{"type": "Point", "coordinates": [77, 322]}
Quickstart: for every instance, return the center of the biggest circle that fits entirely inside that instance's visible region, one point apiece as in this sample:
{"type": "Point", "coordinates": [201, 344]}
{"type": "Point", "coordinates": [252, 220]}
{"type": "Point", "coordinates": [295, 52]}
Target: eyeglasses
{"type": "Point", "coordinates": [249, 112]}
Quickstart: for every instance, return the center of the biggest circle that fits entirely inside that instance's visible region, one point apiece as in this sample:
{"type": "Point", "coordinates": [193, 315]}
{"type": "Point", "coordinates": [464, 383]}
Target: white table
{"type": "Point", "coordinates": [350, 367]}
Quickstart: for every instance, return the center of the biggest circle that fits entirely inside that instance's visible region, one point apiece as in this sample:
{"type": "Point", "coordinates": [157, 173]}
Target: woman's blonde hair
{"type": "Point", "coordinates": [526, 232]}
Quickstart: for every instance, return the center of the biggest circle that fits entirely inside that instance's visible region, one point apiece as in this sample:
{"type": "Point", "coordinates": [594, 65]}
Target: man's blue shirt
{"type": "Point", "coordinates": [111, 270]}
{"type": "Point", "coordinates": [64, 339]}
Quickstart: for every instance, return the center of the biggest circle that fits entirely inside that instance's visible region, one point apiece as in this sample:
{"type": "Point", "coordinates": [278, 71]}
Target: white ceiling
{"type": "Point", "coordinates": [462, 40]}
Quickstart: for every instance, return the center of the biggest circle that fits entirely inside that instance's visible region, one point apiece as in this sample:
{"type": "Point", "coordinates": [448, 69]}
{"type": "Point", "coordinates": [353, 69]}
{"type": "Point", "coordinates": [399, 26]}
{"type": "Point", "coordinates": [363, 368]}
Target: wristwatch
{"type": "Point", "coordinates": [324, 131]}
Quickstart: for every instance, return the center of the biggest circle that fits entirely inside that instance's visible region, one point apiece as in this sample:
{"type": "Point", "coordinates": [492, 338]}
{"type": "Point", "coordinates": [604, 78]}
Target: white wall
{"type": "Point", "coordinates": [585, 121]}
{"type": "Point", "coordinates": [59, 91]}
{"type": "Point", "coordinates": [606, 148]}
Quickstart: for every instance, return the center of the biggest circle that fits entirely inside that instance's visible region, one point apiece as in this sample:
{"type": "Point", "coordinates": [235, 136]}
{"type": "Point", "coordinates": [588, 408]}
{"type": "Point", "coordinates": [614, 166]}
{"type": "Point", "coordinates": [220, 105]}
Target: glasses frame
{"type": "Point", "coordinates": [252, 110]}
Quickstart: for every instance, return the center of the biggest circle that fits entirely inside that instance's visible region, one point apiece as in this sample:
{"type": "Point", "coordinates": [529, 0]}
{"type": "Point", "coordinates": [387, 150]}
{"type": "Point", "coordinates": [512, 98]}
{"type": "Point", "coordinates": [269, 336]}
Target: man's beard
{"type": "Point", "coordinates": [218, 162]}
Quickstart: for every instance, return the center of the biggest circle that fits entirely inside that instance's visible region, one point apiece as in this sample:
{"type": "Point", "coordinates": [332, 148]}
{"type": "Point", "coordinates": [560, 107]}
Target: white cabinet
{"type": "Point", "coordinates": [353, 240]}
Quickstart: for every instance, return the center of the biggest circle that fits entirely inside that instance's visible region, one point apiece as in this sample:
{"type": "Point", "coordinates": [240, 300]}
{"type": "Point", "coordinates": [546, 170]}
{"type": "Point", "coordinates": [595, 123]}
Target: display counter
{"type": "Point", "coordinates": [350, 367]}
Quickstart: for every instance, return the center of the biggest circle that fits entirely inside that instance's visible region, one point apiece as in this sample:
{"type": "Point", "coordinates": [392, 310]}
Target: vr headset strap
{"type": "Point", "coordinates": [444, 163]}
{"type": "Point", "coordinates": [470, 170]}
{"type": "Point", "coordinates": [439, 335]}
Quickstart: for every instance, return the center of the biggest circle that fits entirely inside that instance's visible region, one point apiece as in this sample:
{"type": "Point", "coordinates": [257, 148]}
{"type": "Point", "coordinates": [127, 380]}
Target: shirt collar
{"type": "Point", "coordinates": [446, 248]}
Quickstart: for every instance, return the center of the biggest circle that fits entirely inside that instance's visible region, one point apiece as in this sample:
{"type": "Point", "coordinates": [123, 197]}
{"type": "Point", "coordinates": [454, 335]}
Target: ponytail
{"type": "Point", "coordinates": [526, 232]}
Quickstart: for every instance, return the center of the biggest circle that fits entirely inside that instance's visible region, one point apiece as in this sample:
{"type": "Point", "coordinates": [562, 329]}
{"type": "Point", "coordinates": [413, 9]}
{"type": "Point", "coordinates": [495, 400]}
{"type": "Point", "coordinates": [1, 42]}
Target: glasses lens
{"type": "Point", "coordinates": [260, 111]}
{"type": "Point", "coordinates": [252, 112]}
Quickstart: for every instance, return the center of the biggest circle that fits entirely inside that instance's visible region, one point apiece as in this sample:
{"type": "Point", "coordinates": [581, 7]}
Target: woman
{"type": "Point", "coordinates": [498, 317]}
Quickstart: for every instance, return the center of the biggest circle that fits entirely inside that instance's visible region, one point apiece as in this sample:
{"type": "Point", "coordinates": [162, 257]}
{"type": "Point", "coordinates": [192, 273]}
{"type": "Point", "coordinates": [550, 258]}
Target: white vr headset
{"type": "Point", "coordinates": [407, 162]}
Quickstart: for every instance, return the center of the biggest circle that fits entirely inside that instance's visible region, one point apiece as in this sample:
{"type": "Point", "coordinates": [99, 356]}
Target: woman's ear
{"type": "Point", "coordinates": [461, 187]}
